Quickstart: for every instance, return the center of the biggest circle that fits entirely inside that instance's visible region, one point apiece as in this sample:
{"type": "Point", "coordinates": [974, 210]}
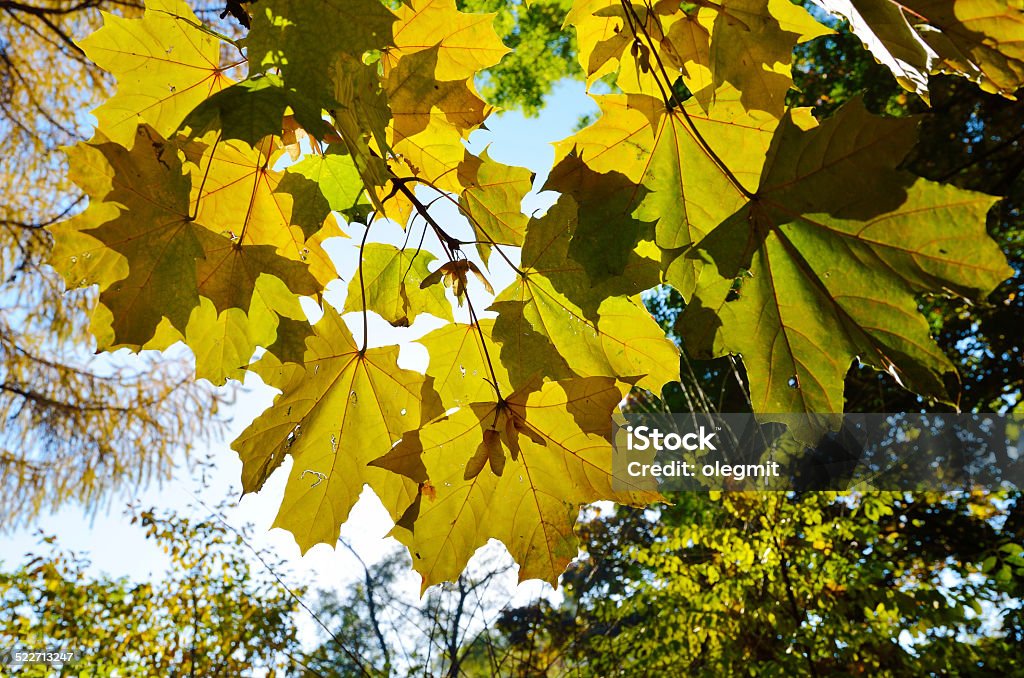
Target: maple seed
{"type": "Point", "coordinates": [489, 451]}
{"type": "Point", "coordinates": [454, 275]}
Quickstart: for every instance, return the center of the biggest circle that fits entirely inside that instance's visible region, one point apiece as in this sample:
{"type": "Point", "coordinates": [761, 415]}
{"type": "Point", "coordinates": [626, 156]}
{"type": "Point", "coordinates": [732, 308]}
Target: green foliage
{"type": "Point", "coordinates": [756, 584]}
{"type": "Point", "coordinates": [209, 613]}
{"type": "Point", "coordinates": [542, 54]}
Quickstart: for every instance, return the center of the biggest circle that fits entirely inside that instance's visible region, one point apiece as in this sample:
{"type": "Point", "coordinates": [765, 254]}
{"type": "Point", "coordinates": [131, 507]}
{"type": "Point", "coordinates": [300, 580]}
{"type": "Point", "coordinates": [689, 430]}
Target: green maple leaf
{"type": "Point", "coordinates": [392, 279]}
{"type": "Point", "coordinates": [304, 38]}
{"type": "Point", "coordinates": [824, 262]}
{"type": "Point", "coordinates": [492, 200]}
{"type": "Point", "coordinates": [663, 150]}
{"type": "Point", "coordinates": [596, 330]}
{"type": "Point", "coordinates": [319, 184]}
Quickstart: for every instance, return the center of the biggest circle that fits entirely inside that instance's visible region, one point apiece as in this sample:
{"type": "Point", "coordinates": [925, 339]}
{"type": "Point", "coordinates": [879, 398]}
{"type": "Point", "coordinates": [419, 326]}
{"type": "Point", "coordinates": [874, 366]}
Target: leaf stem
{"type": "Point", "coordinates": [362, 287]}
{"type": "Point", "coordinates": [202, 184]}
{"type": "Point", "coordinates": [483, 345]}
{"type": "Point", "coordinates": [672, 102]}
{"type": "Point", "coordinates": [489, 241]}
{"type": "Point", "coordinates": [451, 245]}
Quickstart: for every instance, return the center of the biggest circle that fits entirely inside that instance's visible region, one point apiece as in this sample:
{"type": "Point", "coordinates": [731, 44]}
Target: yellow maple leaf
{"type": "Point", "coordinates": [165, 66]}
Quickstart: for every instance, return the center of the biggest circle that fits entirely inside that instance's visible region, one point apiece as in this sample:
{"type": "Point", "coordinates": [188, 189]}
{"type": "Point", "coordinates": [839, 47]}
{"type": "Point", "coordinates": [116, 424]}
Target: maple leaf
{"type": "Point", "coordinates": [303, 40]}
{"type": "Point", "coordinates": [466, 43]}
{"type": "Point", "coordinates": [224, 342]}
{"type": "Point", "coordinates": [745, 43]}
{"type": "Point", "coordinates": [598, 334]}
{"type": "Point", "coordinates": [752, 48]}
{"type": "Point", "coordinates": [977, 38]}
{"type": "Point", "coordinates": [971, 38]}
{"type": "Point", "coordinates": [154, 232]}
{"type": "Point", "coordinates": [492, 200]}
{"type": "Point", "coordinates": [416, 95]}
{"type": "Point", "coordinates": [248, 111]}
{"type": "Point", "coordinates": [156, 263]}
{"type": "Point", "coordinates": [555, 456]}
{"type": "Point", "coordinates": [165, 65]}
{"type": "Point", "coordinates": [461, 359]}
{"type": "Point", "coordinates": [392, 278]}
{"type": "Point", "coordinates": [340, 410]}
{"type": "Point", "coordinates": [823, 264]}
{"type": "Point", "coordinates": [665, 151]}
{"type": "Point", "coordinates": [319, 184]}
{"type": "Point", "coordinates": [234, 186]}
{"type": "Point", "coordinates": [885, 31]}
{"type": "Point", "coordinates": [429, 76]}
{"type": "Point", "coordinates": [361, 115]}
{"type": "Point", "coordinates": [662, 149]}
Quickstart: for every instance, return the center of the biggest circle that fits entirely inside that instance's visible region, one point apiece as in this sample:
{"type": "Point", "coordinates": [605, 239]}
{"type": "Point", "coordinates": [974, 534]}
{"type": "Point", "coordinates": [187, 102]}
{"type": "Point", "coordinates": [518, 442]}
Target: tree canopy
{"type": "Point", "coordinates": [802, 244]}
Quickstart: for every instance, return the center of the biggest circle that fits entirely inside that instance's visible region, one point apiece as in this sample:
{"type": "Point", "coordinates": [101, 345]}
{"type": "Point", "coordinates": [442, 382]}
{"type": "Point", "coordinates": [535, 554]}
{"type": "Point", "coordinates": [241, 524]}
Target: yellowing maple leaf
{"type": "Point", "coordinates": [459, 363]}
{"type": "Point", "coordinates": [746, 43]}
{"type": "Point", "coordinates": [340, 410]}
{"type": "Point", "coordinates": [492, 200]}
{"type": "Point", "coordinates": [165, 65]}
{"type": "Point", "coordinates": [415, 97]}
{"type": "Point", "coordinates": [234, 187]}
{"type": "Point", "coordinates": [556, 456]}
{"type": "Point", "coordinates": [224, 342]}
{"type": "Point", "coordinates": [823, 265]}
{"type": "Point", "coordinates": [467, 43]}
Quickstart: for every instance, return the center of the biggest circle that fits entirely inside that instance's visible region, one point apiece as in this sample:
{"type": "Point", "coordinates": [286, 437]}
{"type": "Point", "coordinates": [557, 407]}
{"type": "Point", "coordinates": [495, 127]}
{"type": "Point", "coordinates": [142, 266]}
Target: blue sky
{"type": "Point", "coordinates": [118, 548]}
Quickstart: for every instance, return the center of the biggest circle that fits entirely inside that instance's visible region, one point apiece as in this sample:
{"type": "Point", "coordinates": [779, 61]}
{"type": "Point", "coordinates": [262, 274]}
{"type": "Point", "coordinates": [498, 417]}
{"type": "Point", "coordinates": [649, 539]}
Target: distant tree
{"type": "Point", "coordinates": [391, 633]}
{"type": "Point", "coordinates": [76, 427]}
{"type": "Point", "coordinates": [211, 613]}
